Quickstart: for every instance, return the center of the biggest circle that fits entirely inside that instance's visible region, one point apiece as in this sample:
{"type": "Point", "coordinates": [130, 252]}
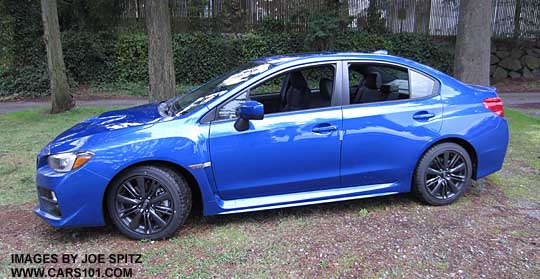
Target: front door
{"type": "Point", "coordinates": [295, 148]}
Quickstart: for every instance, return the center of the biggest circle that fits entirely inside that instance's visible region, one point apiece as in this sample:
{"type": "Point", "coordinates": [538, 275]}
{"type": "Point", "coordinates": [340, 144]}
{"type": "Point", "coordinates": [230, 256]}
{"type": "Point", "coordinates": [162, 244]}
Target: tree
{"type": "Point", "coordinates": [160, 56]}
{"type": "Point", "coordinates": [371, 20]}
{"type": "Point", "coordinates": [473, 42]}
{"type": "Point", "coordinates": [234, 14]}
{"type": "Point", "coordinates": [323, 24]}
{"type": "Point", "coordinates": [60, 96]}
{"type": "Point", "coordinates": [517, 20]}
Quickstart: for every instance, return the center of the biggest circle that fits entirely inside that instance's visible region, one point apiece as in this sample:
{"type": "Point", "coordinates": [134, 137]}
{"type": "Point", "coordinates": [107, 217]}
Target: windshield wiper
{"type": "Point", "coordinates": [170, 107]}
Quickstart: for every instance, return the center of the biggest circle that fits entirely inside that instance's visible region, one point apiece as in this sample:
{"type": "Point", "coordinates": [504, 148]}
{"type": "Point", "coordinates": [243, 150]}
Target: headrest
{"type": "Point", "coordinates": [297, 80]}
{"type": "Point", "coordinates": [373, 80]}
{"type": "Point", "coordinates": [325, 86]}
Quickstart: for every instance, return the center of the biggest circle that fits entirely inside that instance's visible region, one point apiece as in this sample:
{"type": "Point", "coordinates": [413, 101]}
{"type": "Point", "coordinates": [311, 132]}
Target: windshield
{"type": "Point", "coordinates": [214, 88]}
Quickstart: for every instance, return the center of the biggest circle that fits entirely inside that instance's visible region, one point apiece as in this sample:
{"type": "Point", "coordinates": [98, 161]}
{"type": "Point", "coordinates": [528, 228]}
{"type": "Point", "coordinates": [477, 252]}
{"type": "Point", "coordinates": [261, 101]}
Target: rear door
{"type": "Point", "coordinates": [383, 139]}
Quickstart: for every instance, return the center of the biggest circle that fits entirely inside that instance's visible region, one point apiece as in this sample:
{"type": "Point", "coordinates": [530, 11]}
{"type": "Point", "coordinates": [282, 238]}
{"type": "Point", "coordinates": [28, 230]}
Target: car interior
{"type": "Point", "coordinates": [296, 90]}
{"type": "Point", "coordinates": [375, 83]}
{"type": "Point", "coordinates": [313, 87]}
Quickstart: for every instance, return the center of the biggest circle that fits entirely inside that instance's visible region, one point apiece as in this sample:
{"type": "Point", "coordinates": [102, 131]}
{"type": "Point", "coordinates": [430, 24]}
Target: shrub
{"type": "Point", "coordinates": [419, 48]}
{"type": "Point", "coordinates": [130, 58]}
{"type": "Point", "coordinates": [89, 56]}
{"type": "Point", "coordinates": [99, 58]}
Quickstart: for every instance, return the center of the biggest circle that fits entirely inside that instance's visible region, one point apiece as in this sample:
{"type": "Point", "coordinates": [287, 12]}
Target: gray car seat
{"type": "Point", "coordinates": [324, 98]}
{"type": "Point", "coordinates": [369, 92]}
{"type": "Point", "coordinates": [297, 94]}
{"type": "Point", "coordinates": [326, 86]}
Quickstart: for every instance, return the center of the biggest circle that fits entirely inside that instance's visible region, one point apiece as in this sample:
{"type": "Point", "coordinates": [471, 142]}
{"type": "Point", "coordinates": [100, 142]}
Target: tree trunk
{"type": "Point", "coordinates": [422, 16]}
{"type": "Point", "coordinates": [160, 57]}
{"type": "Point", "coordinates": [517, 20]}
{"type": "Point", "coordinates": [60, 96]}
{"type": "Point", "coordinates": [473, 42]}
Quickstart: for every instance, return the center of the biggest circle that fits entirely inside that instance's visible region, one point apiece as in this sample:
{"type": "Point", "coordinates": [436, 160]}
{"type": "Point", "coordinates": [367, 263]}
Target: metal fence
{"type": "Point", "coordinates": [510, 18]}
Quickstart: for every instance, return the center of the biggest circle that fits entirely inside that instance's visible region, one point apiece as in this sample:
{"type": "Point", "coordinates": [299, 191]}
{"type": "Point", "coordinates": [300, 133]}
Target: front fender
{"type": "Point", "coordinates": [168, 142]}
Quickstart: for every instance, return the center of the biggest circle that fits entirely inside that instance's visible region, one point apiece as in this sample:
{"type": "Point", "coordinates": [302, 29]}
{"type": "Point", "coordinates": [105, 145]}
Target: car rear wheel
{"type": "Point", "coordinates": [442, 174]}
{"type": "Point", "coordinates": [149, 202]}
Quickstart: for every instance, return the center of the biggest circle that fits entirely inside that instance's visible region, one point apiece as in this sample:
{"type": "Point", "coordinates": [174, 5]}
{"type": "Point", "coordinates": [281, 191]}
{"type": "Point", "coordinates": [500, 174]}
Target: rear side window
{"type": "Point", "coordinates": [377, 82]}
{"type": "Point", "coordinates": [421, 86]}
{"type": "Point", "coordinates": [370, 83]}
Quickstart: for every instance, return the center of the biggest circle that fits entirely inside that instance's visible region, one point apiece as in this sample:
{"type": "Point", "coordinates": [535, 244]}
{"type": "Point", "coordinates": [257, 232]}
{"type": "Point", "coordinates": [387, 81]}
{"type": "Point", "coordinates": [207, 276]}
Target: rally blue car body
{"type": "Point", "coordinates": [369, 150]}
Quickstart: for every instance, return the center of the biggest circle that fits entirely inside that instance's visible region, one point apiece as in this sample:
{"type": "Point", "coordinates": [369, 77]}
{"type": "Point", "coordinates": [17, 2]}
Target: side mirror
{"type": "Point", "coordinates": [250, 110]}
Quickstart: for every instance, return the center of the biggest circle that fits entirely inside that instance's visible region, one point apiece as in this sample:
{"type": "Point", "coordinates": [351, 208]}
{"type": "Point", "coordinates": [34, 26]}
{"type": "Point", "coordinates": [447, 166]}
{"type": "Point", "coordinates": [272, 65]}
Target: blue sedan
{"type": "Point", "coordinates": [277, 132]}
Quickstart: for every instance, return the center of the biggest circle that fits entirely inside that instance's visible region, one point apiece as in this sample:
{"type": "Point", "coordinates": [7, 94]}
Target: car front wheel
{"type": "Point", "coordinates": [442, 174]}
{"type": "Point", "coordinates": [148, 202]}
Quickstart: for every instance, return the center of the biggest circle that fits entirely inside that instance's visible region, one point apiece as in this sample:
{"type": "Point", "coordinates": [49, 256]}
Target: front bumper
{"type": "Point", "coordinates": [79, 197]}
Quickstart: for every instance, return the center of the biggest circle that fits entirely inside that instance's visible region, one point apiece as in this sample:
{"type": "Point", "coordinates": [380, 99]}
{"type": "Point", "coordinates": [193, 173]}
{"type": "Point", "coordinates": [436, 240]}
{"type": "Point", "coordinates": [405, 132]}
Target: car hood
{"type": "Point", "coordinates": [114, 122]}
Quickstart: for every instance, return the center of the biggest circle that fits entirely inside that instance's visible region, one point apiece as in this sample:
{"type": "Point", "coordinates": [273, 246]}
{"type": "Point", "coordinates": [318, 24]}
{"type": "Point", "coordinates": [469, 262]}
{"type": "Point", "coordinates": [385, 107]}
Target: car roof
{"type": "Point", "coordinates": [297, 57]}
{"type": "Point", "coordinates": [380, 55]}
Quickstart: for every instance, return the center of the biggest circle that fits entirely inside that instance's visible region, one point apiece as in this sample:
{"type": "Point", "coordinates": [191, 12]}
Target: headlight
{"type": "Point", "coordinates": [64, 162]}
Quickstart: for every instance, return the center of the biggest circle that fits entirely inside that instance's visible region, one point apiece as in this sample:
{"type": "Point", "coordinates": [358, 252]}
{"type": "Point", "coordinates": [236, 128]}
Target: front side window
{"type": "Point", "coordinates": [298, 89]}
{"type": "Point", "coordinates": [228, 110]}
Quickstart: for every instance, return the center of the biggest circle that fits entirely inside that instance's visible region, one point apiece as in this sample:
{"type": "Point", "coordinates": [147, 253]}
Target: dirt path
{"type": "Point", "coordinates": [24, 105]}
{"type": "Point", "coordinates": [515, 100]}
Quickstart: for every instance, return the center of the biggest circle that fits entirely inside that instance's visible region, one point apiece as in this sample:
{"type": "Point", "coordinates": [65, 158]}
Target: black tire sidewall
{"type": "Point", "coordinates": [168, 181]}
{"type": "Point", "coordinates": [419, 187]}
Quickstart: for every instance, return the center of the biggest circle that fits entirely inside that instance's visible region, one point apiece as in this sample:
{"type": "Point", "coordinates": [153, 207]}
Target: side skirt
{"type": "Point", "coordinates": [306, 198]}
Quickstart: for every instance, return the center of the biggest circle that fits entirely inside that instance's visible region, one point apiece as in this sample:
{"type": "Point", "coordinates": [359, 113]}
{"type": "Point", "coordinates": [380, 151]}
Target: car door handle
{"type": "Point", "coordinates": [324, 128]}
{"type": "Point", "coordinates": [423, 115]}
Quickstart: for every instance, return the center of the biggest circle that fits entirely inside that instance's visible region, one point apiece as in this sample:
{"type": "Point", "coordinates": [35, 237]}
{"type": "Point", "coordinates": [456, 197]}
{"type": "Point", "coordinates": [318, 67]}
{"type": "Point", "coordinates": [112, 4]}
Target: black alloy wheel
{"type": "Point", "coordinates": [148, 202]}
{"type": "Point", "coordinates": [144, 205]}
{"type": "Point", "coordinates": [446, 175]}
{"type": "Point", "coordinates": [442, 174]}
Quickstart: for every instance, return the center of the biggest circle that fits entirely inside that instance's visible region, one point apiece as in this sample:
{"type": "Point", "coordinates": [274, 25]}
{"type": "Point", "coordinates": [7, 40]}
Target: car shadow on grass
{"type": "Point", "coordinates": [198, 223]}
{"type": "Point", "coordinates": [359, 206]}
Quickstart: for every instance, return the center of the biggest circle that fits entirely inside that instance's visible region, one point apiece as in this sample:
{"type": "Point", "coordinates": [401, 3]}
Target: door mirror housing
{"type": "Point", "coordinates": [250, 110]}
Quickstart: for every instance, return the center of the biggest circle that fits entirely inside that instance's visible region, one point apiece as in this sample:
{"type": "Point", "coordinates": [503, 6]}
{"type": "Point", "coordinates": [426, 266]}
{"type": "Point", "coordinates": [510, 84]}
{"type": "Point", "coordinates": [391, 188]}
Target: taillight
{"type": "Point", "coordinates": [495, 105]}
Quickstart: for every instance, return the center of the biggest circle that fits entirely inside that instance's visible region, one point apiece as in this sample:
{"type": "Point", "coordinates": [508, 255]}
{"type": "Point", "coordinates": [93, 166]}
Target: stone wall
{"type": "Point", "coordinates": [510, 60]}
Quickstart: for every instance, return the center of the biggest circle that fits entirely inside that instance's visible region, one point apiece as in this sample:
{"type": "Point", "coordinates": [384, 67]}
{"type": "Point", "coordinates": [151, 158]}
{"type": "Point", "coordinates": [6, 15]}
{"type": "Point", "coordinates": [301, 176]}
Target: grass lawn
{"type": "Point", "coordinates": [23, 135]}
{"type": "Point", "coordinates": [494, 230]}
{"type": "Point", "coordinates": [121, 90]}
{"type": "Point", "coordinates": [521, 172]}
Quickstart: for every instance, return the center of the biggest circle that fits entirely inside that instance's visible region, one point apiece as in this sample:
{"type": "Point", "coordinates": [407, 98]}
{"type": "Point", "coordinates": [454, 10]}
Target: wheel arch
{"type": "Point", "coordinates": [192, 182]}
{"type": "Point", "coordinates": [463, 143]}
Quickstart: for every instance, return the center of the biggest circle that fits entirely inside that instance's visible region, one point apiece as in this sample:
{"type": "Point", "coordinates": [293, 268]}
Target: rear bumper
{"type": "Point", "coordinates": [491, 149]}
{"type": "Point", "coordinates": [79, 198]}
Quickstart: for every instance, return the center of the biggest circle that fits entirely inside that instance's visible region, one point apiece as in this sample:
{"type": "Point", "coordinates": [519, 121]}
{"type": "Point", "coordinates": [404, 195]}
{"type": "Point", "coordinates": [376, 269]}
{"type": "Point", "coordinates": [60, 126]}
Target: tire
{"type": "Point", "coordinates": [154, 213]}
{"type": "Point", "coordinates": [443, 174]}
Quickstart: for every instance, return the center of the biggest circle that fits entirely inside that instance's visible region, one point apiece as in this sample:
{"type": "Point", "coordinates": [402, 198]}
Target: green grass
{"type": "Point", "coordinates": [521, 171]}
{"type": "Point", "coordinates": [364, 212]}
{"type": "Point", "coordinates": [23, 135]}
{"type": "Point", "coordinates": [387, 237]}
